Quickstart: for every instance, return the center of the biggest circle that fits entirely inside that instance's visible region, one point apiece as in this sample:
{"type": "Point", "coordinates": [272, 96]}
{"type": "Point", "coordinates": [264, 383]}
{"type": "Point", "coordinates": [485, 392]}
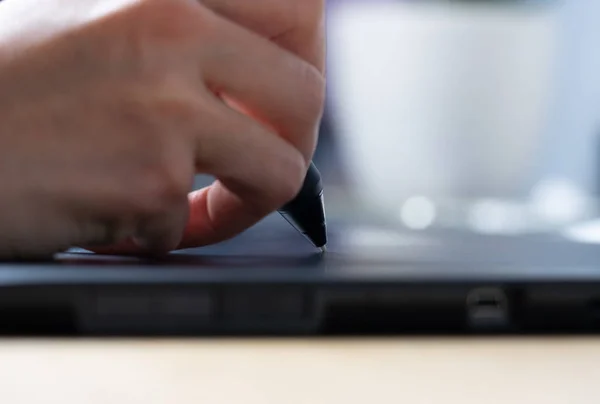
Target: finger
{"type": "Point", "coordinates": [271, 84]}
{"type": "Point", "coordinates": [257, 173]}
{"type": "Point", "coordinates": [154, 236]}
{"type": "Point", "coordinates": [101, 235]}
{"type": "Point", "coordinates": [297, 26]}
{"type": "Point", "coordinates": [124, 247]}
{"type": "Point", "coordinates": [160, 234]}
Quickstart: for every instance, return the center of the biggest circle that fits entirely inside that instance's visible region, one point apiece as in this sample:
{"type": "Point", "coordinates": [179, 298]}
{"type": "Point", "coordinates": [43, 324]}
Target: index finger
{"type": "Point", "coordinates": [296, 25]}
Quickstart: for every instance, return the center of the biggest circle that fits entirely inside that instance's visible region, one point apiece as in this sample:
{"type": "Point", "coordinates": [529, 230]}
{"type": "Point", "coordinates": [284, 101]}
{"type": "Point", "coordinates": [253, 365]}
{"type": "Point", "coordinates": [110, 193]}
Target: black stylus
{"type": "Point", "coordinates": [306, 212]}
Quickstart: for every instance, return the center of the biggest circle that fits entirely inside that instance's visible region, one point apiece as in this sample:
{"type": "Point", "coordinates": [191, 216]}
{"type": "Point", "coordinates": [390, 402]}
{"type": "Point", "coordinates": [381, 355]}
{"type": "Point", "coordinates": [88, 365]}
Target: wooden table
{"type": "Point", "coordinates": [482, 371]}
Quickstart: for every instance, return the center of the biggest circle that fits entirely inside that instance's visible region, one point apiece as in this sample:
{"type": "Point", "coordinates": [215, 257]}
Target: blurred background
{"type": "Point", "coordinates": [482, 115]}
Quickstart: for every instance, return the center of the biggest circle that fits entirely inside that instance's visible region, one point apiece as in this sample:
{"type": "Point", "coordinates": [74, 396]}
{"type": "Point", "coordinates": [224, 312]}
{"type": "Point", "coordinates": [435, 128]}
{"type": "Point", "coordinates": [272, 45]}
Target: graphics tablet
{"type": "Point", "coordinates": [271, 281]}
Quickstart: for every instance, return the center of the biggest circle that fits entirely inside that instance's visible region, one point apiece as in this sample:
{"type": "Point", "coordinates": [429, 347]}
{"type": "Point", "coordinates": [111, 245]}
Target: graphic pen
{"type": "Point", "coordinates": [306, 212]}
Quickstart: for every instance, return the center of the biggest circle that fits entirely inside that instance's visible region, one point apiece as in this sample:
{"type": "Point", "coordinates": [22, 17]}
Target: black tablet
{"type": "Point", "coordinates": [271, 281]}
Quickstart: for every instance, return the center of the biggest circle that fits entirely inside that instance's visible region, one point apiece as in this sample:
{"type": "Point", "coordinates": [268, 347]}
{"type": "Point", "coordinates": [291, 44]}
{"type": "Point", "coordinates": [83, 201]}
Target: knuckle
{"type": "Point", "coordinates": [308, 109]}
{"type": "Point", "coordinates": [171, 19]}
{"type": "Point", "coordinates": [163, 181]}
{"type": "Point", "coordinates": [312, 11]}
{"type": "Point", "coordinates": [160, 190]}
{"type": "Point", "coordinates": [176, 108]}
{"type": "Point", "coordinates": [151, 36]}
{"type": "Point", "coordinates": [313, 84]}
{"type": "Point", "coordinates": [159, 124]}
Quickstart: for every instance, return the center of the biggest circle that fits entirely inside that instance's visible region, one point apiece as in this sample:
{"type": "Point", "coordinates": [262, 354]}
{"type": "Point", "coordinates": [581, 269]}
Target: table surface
{"type": "Point", "coordinates": [548, 371]}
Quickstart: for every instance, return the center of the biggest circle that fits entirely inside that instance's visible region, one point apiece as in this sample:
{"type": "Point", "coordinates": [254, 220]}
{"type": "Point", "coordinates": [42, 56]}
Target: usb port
{"type": "Point", "coordinates": [487, 308]}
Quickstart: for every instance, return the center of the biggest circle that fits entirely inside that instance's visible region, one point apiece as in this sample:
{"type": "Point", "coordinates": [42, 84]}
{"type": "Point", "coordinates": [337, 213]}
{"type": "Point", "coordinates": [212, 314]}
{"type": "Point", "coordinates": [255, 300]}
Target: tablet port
{"type": "Point", "coordinates": [487, 308]}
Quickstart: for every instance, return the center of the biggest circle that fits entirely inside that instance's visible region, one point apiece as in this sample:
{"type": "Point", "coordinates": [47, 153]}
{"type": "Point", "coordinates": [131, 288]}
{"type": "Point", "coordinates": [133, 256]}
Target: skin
{"type": "Point", "coordinates": [110, 107]}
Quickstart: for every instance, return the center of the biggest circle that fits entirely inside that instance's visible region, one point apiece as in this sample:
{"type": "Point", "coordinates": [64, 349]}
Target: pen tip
{"type": "Point", "coordinates": [323, 249]}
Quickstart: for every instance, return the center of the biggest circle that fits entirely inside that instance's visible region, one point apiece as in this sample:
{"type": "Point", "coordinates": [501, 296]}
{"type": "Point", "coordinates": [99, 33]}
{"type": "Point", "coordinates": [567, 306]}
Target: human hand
{"type": "Point", "coordinates": [110, 107]}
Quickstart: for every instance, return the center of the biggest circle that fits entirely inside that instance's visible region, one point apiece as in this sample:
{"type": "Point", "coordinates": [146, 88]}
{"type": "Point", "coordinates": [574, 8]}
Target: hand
{"type": "Point", "coordinates": [110, 107]}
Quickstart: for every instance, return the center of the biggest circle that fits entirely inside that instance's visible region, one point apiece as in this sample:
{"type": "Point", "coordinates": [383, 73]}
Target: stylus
{"type": "Point", "coordinates": [306, 212]}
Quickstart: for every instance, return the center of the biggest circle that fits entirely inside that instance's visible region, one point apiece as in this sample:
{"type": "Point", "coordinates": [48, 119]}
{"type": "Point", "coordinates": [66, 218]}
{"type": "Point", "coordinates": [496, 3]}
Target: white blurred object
{"type": "Point", "coordinates": [368, 237]}
{"type": "Point", "coordinates": [558, 201]}
{"type": "Point", "coordinates": [491, 216]}
{"type": "Point", "coordinates": [588, 232]}
{"type": "Point", "coordinates": [418, 213]}
{"type": "Point", "coordinates": [440, 99]}
{"type": "Point", "coordinates": [574, 130]}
